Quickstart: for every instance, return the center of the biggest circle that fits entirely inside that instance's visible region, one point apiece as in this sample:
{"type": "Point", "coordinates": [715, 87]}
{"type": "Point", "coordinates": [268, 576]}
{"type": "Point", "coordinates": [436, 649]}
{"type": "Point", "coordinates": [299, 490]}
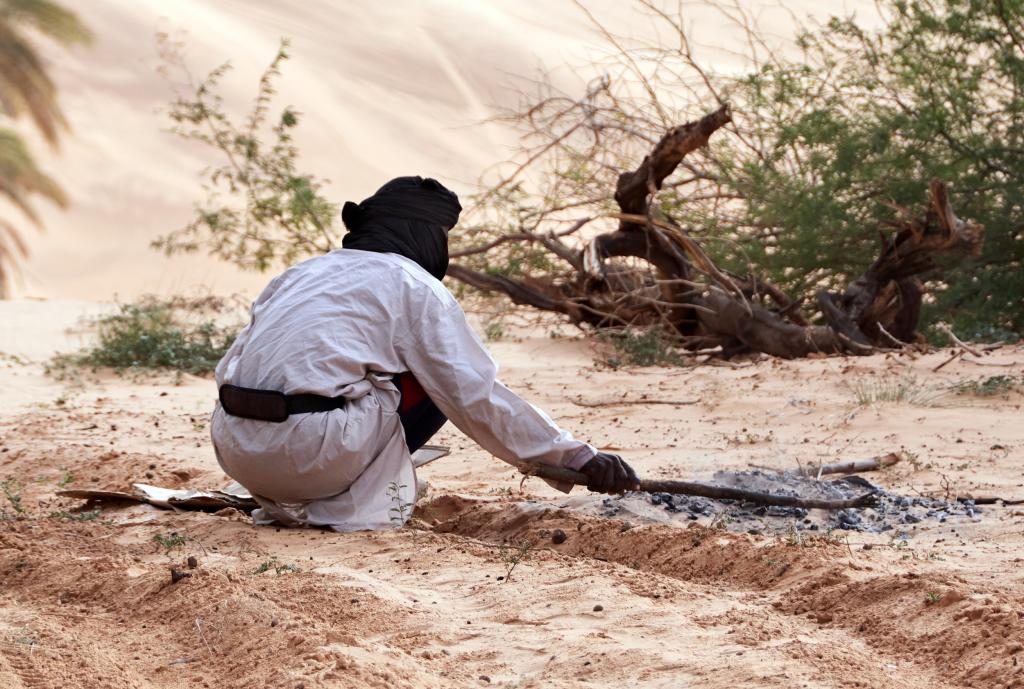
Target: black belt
{"type": "Point", "coordinates": [271, 405]}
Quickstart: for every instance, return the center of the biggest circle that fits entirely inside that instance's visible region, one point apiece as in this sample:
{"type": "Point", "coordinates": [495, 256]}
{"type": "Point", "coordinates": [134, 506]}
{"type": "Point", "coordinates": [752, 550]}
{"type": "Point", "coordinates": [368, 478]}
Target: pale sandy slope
{"type": "Point", "coordinates": [385, 87]}
{"type": "Point", "coordinates": [91, 603]}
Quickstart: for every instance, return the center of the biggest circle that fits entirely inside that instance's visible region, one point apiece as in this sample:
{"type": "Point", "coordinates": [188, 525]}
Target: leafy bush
{"type": "Point", "coordinates": [173, 334]}
{"type": "Point", "coordinates": [865, 119]}
{"type": "Point", "coordinates": [642, 348]}
{"type": "Point", "coordinates": [988, 386]}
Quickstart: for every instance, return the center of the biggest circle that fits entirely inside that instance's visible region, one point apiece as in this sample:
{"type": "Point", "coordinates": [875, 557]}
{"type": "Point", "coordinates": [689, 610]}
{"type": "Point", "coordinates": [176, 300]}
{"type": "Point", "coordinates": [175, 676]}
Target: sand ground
{"type": "Point", "coordinates": [86, 599]}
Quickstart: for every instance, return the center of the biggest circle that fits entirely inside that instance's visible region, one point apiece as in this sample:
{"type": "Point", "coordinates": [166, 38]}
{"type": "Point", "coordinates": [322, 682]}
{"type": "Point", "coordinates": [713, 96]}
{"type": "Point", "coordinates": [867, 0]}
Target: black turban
{"type": "Point", "coordinates": [409, 216]}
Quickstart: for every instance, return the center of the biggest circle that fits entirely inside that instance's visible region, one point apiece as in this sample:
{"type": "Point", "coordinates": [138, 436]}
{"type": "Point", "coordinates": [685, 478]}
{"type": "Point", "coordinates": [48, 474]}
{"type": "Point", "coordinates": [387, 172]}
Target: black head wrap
{"type": "Point", "coordinates": [409, 216]}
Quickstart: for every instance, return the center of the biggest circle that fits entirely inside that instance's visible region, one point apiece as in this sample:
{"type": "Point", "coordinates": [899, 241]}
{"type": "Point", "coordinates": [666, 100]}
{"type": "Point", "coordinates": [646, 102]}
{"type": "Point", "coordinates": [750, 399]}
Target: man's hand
{"type": "Point", "coordinates": [607, 473]}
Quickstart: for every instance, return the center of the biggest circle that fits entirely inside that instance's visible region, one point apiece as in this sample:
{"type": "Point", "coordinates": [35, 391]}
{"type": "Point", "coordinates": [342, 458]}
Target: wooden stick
{"type": "Point", "coordinates": [853, 466]}
{"type": "Point", "coordinates": [956, 340]}
{"type": "Point", "coordinates": [990, 363]}
{"type": "Point", "coordinates": [703, 490]}
{"type": "Point", "coordinates": [989, 500]}
{"type": "Point", "coordinates": [580, 402]}
{"type": "Point", "coordinates": [956, 355]}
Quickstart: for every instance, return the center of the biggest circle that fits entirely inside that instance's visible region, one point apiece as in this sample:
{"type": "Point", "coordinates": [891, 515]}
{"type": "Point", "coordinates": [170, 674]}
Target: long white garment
{"type": "Point", "coordinates": [343, 324]}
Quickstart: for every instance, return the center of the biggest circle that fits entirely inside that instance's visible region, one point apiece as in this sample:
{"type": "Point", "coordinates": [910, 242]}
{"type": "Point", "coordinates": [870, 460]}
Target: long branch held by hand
{"type": "Point", "coordinates": [704, 490]}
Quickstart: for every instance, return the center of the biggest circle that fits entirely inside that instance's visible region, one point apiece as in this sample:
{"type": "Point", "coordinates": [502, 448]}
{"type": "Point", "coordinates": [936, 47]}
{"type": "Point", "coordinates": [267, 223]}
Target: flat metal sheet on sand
{"type": "Point", "coordinates": [233, 495]}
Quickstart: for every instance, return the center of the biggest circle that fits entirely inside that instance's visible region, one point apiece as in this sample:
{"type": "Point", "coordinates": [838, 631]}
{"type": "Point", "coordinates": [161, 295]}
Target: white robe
{"type": "Point", "coordinates": [343, 324]}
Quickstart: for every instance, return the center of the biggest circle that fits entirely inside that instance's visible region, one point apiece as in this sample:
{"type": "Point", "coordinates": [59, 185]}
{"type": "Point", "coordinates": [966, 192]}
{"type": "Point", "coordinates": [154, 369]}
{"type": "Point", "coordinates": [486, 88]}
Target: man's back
{"type": "Point", "coordinates": [328, 322]}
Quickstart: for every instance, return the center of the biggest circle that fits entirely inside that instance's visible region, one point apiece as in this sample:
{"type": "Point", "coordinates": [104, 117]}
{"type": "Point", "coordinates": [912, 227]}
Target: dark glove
{"type": "Point", "coordinates": [607, 473]}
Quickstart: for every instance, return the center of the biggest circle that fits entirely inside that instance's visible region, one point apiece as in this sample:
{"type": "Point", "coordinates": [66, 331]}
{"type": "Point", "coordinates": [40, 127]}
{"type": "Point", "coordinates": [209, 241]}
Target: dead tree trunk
{"type": "Point", "coordinates": [708, 307]}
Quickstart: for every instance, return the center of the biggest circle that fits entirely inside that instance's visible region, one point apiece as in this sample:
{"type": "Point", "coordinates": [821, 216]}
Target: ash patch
{"type": "Point", "coordinates": [893, 512]}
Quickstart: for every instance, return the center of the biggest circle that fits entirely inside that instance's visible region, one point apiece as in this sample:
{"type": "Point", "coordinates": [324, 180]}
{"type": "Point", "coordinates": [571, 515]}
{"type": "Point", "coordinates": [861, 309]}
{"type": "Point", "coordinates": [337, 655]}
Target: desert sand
{"type": "Point", "coordinates": [87, 599]}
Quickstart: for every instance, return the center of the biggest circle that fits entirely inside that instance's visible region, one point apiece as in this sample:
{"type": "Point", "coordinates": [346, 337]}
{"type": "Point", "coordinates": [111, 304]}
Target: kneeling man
{"type": "Point", "coordinates": [354, 359]}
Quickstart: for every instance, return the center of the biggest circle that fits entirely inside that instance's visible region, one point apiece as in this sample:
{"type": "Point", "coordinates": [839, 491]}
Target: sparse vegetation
{"type": "Point", "coordinates": [175, 334]}
{"type": "Point", "coordinates": [641, 348]}
{"type": "Point", "coordinates": [260, 211]}
{"type": "Point", "coordinates": [987, 386]}
{"type": "Point", "coordinates": [745, 437]}
{"type": "Point", "coordinates": [87, 516]}
{"type": "Point", "coordinates": [494, 331]}
{"type": "Point", "coordinates": [931, 598]}
{"type": "Point", "coordinates": [279, 569]}
{"type": "Point", "coordinates": [720, 521]}
{"type": "Point", "coordinates": [511, 556]}
{"type": "Point", "coordinates": [169, 541]}
{"type": "Point", "coordinates": [913, 459]}
{"type": "Point", "coordinates": [399, 513]}
{"type": "Point", "coordinates": [11, 490]}
{"type": "Point", "coordinates": [896, 390]}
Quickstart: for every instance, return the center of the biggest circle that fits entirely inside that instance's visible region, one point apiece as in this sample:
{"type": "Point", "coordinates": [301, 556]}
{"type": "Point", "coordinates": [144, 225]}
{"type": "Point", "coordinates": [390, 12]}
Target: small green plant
{"type": "Point", "coordinates": [987, 387]}
{"type": "Point", "coordinates": [26, 640]}
{"type": "Point", "coordinates": [399, 513]}
{"type": "Point", "coordinates": [260, 211]}
{"type": "Point", "coordinates": [931, 598]}
{"type": "Point", "coordinates": [644, 348]}
{"type": "Point", "coordinates": [88, 516]}
{"type": "Point", "coordinates": [793, 536]}
{"type": "Point", "coordinates": [494, 331]}
{"type": "Point", "coordinates": [169, 541]}
{"type": "Point", "coordinates": [905, 390]}
{"type": "Point", "coordinates": [12, 492]}
{"type": "Point", "coordinates": [175, 334]}
{"type": "Point", "coordinates": [512, 556]}
{"type": "Point", "coordinates": [746, 437]}
{"type": "Point", "coordinates": [66, 479]}
{"type": "Point", "coordinates": [279, 569]}
{"type": "Point", "coordinates": [913, 459]}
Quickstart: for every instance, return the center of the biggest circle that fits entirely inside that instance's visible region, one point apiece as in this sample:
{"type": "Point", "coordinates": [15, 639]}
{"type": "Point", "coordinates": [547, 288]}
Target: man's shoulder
{"type": "Point", "coordinates": [419, 279]}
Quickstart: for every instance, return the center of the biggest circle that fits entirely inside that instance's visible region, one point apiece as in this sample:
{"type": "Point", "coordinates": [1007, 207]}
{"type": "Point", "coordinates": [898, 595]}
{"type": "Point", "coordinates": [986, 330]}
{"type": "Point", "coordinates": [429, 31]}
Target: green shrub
{"type": "Point", "coordinates": [172, 334]}
{"type": "Point", "coordinates": [987, 386]}
{"type": "Point", "coordinates": [641, 348]}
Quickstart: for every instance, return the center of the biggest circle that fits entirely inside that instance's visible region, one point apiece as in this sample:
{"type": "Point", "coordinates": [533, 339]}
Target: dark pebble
{"type": "Point", "coordinates": [598, 608]}
{"type": "Point", "coordinates": [192, 562]}
{"type": "Point", "coordinates": [558, 536]}
{"type": "Point", "coordinates": [177, 575]}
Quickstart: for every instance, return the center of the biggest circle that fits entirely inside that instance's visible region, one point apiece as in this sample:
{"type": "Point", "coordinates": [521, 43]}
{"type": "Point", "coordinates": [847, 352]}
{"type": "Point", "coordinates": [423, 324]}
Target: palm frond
{"type": "Point", "coordinates": [25, 87]}
{"type": "Point", "coordinates": [48, 18]}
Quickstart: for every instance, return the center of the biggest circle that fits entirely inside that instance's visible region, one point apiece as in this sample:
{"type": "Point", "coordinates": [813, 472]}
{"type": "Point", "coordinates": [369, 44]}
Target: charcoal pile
{"type": "Point", "coordinates": [892, 511]}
